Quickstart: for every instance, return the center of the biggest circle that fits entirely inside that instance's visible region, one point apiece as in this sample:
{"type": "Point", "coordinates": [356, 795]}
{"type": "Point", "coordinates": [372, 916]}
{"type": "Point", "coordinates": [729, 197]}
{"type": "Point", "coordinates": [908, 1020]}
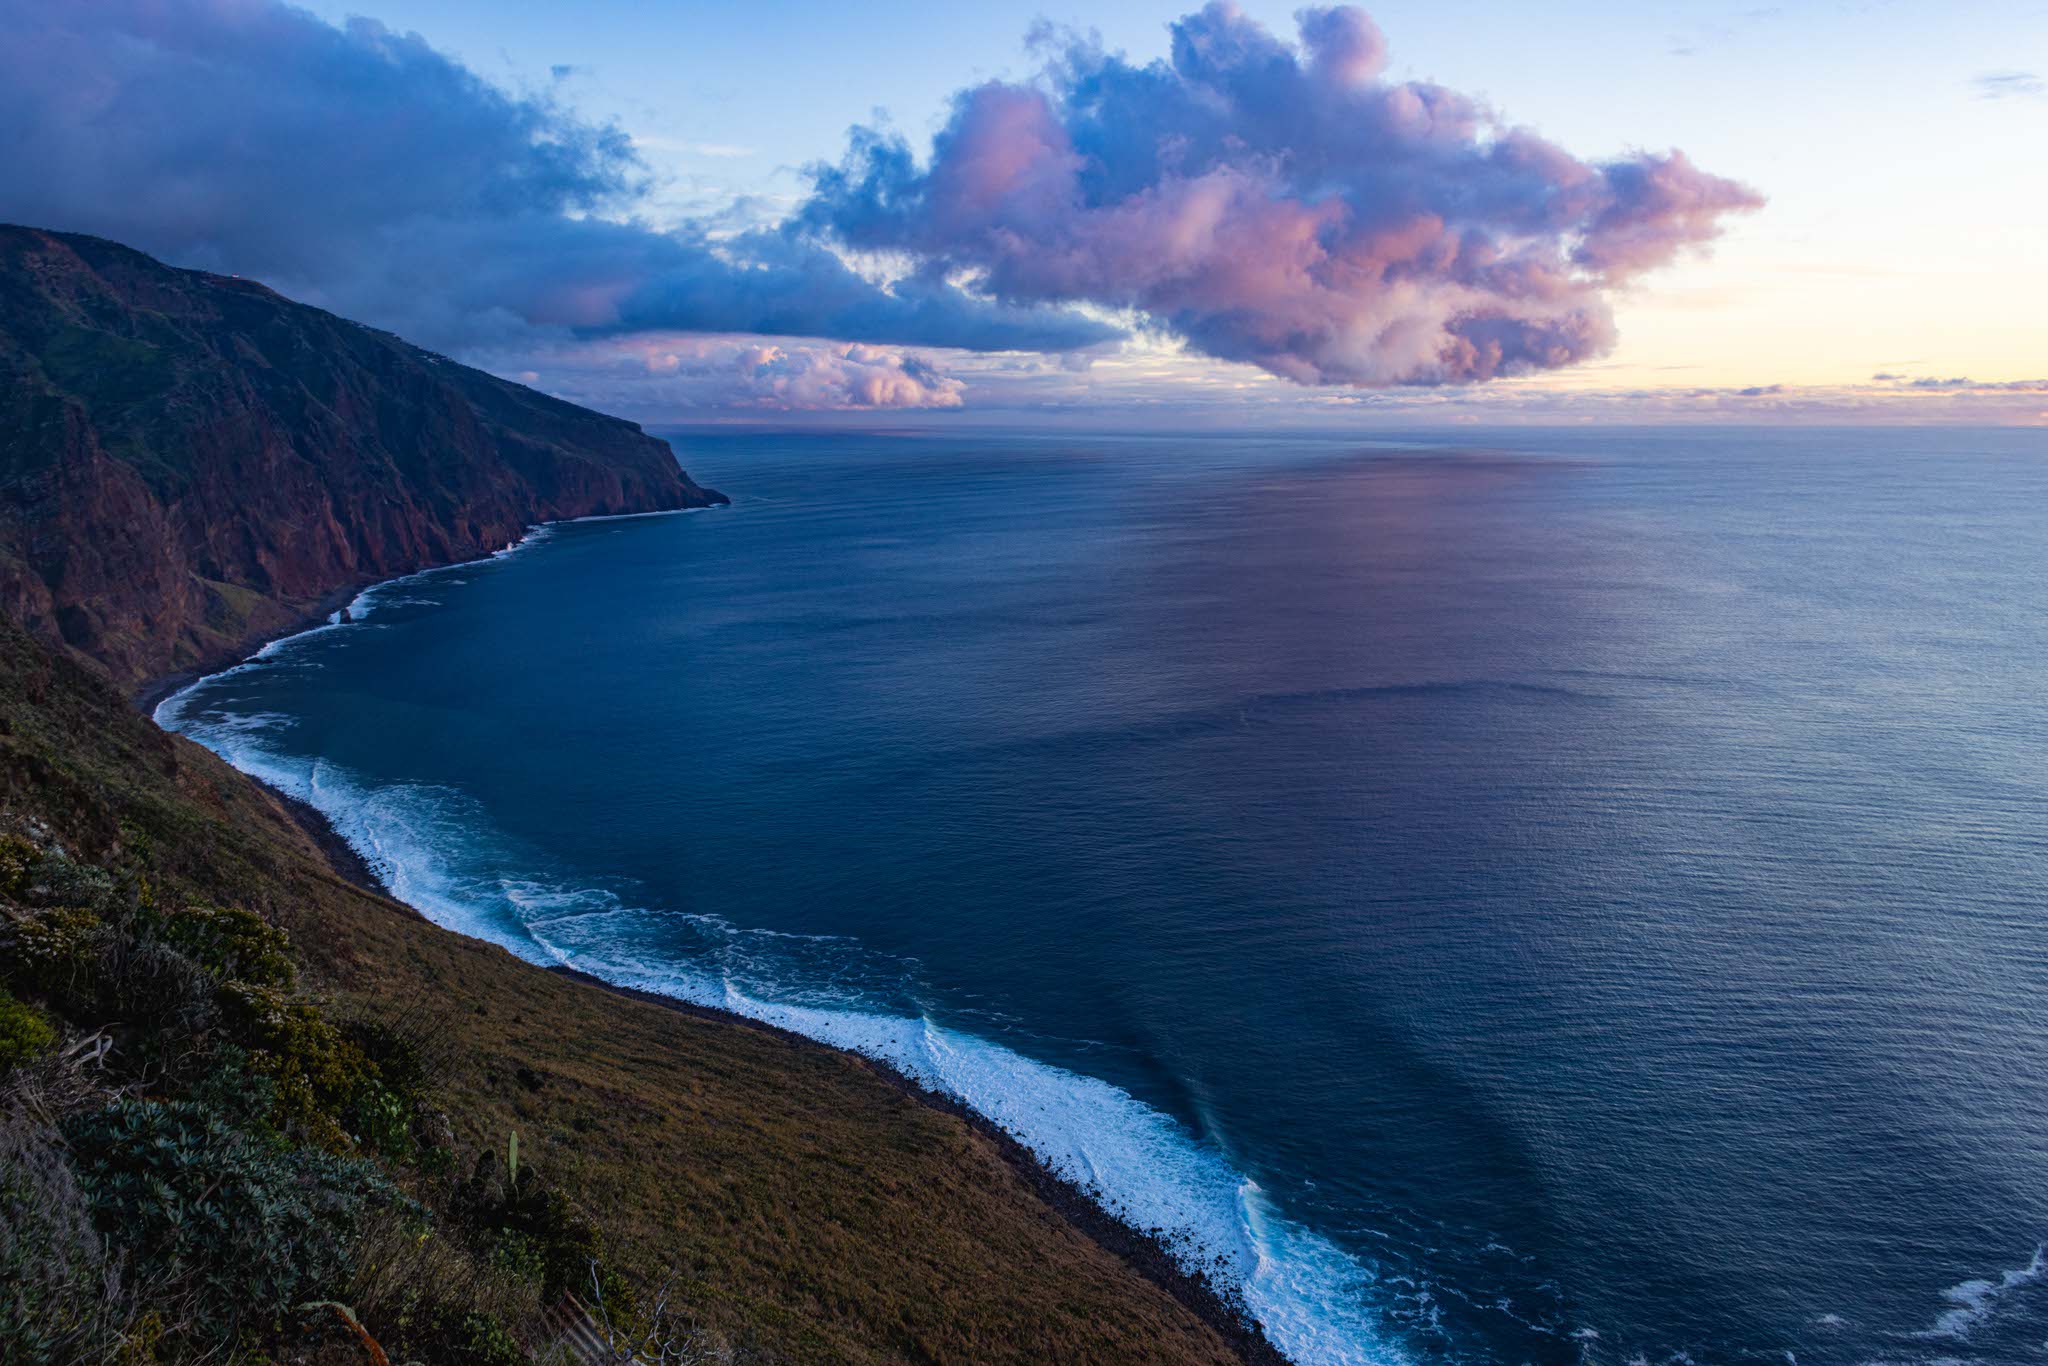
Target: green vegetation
{"type": "Point", "coordinates": [222, 1154]}
{"type": "Point", "coordinates": [25, 1033]}
{"type": "Point", "coordinates": [270, 1117]}
{"type": "Point", "coordinates": [106, 367]}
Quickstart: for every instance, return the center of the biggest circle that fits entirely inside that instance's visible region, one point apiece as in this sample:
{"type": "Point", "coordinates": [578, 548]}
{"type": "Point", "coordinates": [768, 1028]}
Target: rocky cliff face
{"type": "Point", "coordinates": [190, 463]}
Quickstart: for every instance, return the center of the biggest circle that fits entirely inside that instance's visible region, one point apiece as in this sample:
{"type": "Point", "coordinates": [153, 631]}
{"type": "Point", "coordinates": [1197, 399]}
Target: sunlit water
{"type": "Point", "coordinates": [1548, 897]}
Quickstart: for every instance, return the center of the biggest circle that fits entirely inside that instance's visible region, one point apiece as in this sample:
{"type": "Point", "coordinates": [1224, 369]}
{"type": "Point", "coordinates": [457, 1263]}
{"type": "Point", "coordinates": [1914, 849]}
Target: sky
{"type": "Point", "coordinates": [1126, 212]}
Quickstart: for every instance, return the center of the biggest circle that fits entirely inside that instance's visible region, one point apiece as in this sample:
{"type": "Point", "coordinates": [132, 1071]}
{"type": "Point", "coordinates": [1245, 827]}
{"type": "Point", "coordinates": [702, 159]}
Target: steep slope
{"type": "Point", "coordinates": [805, 1205]}
{"type": "Point", "coordinates": [190, 463]}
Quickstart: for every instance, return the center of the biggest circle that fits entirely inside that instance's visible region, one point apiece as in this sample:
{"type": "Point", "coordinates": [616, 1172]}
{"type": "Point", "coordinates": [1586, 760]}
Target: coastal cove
{"type": "Point", "coordinates": [1219, 1307]}
{"type": "Point", "coordinates": [1167, 1256]}
{"type": "Point", "coordinates": [668, 734]}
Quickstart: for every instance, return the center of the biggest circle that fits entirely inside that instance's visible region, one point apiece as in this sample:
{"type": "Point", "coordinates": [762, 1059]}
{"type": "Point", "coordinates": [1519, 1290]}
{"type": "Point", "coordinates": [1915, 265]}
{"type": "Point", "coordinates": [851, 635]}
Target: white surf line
{"type": "Point", "coordinates": [166, 712]}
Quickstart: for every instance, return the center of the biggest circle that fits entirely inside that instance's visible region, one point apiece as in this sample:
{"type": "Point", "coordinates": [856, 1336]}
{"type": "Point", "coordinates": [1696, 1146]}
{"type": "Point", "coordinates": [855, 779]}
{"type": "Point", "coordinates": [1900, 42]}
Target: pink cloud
{"type": "Point", "coordinates": [1281, 205]}
{"type": "Point", "coordinates": [724, 372]}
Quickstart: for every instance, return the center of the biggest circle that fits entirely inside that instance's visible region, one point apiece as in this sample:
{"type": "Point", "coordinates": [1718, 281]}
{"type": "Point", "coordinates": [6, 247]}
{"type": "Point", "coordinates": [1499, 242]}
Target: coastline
{"type": "Point", "coordinates": [1142, 1251]}
{"type": "Point", "coordinates": [154, 692]}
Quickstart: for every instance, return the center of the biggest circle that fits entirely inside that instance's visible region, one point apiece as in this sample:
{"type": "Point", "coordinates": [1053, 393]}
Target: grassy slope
{"type": "Point", "coordinates": [808, 1204]}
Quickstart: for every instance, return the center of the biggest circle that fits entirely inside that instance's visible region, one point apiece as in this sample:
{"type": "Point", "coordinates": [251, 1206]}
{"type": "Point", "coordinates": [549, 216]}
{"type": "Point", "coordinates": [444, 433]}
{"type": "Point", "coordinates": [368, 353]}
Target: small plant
{"type": "Point", "coordinates": [17, 858]}
{"type": "Point", "coordinates": [520, 1256]}
{"type": "Point", "coordinates": [381, 1121]}
{"type": "Point", "coordinates": [530, 1228]}
{"type": "Point", "coordinates": [454, 1336]}
{"type": "Point", "coordinates": [482, 1340]}
{"type": "Point", "coordinates": [25, 1032]}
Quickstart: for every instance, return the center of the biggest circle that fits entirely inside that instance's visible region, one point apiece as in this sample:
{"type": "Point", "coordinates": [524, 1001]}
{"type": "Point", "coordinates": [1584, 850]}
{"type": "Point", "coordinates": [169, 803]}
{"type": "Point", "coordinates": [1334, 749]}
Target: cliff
{"type": "Point", "coordinates": [240, 1087]}
{"type": "Point", "coordinates": [191, 463]}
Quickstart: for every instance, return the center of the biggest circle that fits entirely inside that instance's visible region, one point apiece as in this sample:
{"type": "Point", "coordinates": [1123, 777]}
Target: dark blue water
{"type": "Point", "coordinates": [1546, 898]}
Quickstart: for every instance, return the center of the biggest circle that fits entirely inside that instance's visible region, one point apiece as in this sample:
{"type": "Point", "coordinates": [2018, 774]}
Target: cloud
{"type": "Point", "coordinates": [1278, 204]}
{"type": "Point", "coordinates": [666, 375]}
{"type": "Point", "coordinates": [812, 378]}
{"type": "Point", "coordinates": [361, 169]}
{"type": "Point", "coordinates": [1248, 200]}
{"type": "Point", "coordinates": [2000, 85]}
{"type": "Point", "coordinates": [1961, 384]}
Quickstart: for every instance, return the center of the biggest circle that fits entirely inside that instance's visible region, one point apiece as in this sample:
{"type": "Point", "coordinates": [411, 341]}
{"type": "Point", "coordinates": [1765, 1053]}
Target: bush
{"type": "Point", "coordinates": [230, 944]}
{"type": "Point", "coordinates": [163, 998]}
{"type": "Point", "coordinates": [17, 858]}
{"type": "Point", "coordinates": [402, 1065]}
{"type": "Point", "coordinates": [429, 1298]}
{"type": "Point", "coordinates": [534, 1231]}
{"type": "Point", "coordinates": [54, 880]}
{"type": "Point", "coordinates": [52, 936]}
{"type": "Point", "coordinates": [407, 1058]}
{"type": "Point", "coordinates": [245, 1230]}
{"type": "Point", "coordinates": [318, 1072]}
{"type": "Point", "coordinates": [25, 1032]}
{"type": "Point", "coordinates": [61, 1298]}
{"type": "Point", "coordinates": [467, 1338]}
{"type": "Point", "coordinates": [52, 950]}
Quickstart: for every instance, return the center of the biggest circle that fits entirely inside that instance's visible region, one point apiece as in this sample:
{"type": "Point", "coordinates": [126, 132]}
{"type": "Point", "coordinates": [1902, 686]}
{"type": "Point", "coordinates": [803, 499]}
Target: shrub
{"type": "Point", "coordinates": [233, 1087]}
{"type": "Point", "coordinates": [318, 1072]}
{"type": "Point", "coordinates": [164, 998]}
{"type": "Point", "coordinates": [531, 1229]}
{"type": "Point", "coordinates": [245, 1230]}
{"type": "Point", "coordinates": [450, 1334]}
{"type": "Point", "coordinates": [407, 1058]}
{"type": "Point", "coordinates": [418, 1291]}
{"type": "Point", "coordinates": [25, 1032]}
{"type": "Point", "coordinates": [61, 1298]}
{"type": "Point", "coordinates": [520, 1256]}
{"type": "Point", "coordinates": [17, 858]}
{"type": "Point", "coordinates": [230, 944]}
{"type": "Point", "coordinates": [480, 1340]}
{"type": "Point", "coordinates": [52, 950]}
{"type": "Point", "coordinates": [54, 880]}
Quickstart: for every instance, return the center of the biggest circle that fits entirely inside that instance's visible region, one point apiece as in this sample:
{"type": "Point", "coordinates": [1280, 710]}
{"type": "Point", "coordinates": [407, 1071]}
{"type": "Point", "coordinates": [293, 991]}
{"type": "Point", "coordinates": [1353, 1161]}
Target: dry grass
{"type": "Point", "coordinates": [794, 1201]}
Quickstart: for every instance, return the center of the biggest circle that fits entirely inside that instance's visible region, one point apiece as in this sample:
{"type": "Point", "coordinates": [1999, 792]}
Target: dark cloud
{"type": "Point", "coordinates": [1279, 204]}
{"type": "Point", "coordinates": [362, 169]}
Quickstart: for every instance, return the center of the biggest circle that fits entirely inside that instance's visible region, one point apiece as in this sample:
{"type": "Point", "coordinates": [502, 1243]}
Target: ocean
{"type": "Point", "coordinates": [1508, 896]}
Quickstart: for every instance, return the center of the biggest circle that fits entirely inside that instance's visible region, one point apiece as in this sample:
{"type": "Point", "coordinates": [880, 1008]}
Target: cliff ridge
{"type": "Point", "coordinates": [191, 463]}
